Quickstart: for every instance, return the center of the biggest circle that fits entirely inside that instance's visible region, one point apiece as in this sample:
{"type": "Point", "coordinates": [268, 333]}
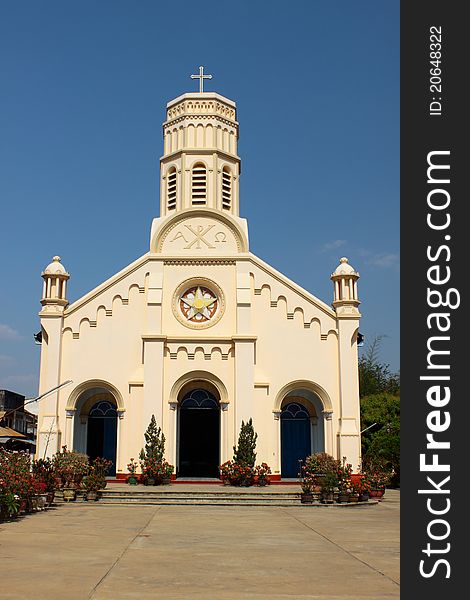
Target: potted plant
{"type": "Point", "coordinates": [262, 471]}
{"type": "Point", "coordinates": [240, 471]}
{"type": "Point", "coordinates": [70, 469]}
{"type": "Point", "coordinates": [9, 505]}
{"type": "Point", "coordinates": [344, 482]}
{"type": "Point", "coordinates": [101, 467]}
{"type": "Point", "coordinates": [319, 465]}
{"type": "Point", "coordinates": [166, 471]}
{"type": "Point", "coordinates": [132, 470]}
{"type": "Point", "coordinates": [362, 488]}
{"type": "Point", "coordinates": [43, 471]}
{"type": "Point", "coordinates": [377, 479]}
{"type": "Point", "coordinates": [92, 483]}
{"type": "Point", "coordinates": [226, 472]}
{"type": "Point", "coordinates": [307, 484]}
{"type": "Point", "coordinates": [329, 484]}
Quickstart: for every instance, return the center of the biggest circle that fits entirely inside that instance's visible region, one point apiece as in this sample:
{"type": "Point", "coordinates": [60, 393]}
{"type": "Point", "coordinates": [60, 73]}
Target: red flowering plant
{"type": "Point", "coordinates": [70, 468]}
{"type": "Point", "coordinates": [361, 486]}
{"type": "Point", "coordinates": [237, 474]}
{"type": "Point", "coordinates": [156, 469]}
{"type": "Point", "coordinates": [344, 473]}
{"type": "Point", "coordinates": [226, 471]}
{"type": "Point", "coordinates": [308, 481]}
{"type": "Point", "coordinates": [322, 463]}
{"type": "Point", "coordinates": [132, 467]}
{"type": "Point", "coordinates": [243, 475]}
{"type": "Point", "coordinates": [43, 470]}
{"type": "Point", "coordinates": [376, 474]}
{"type": "Point", "coordinates": [262, 471]}
{"type": "Point", "coordinates": [316, 468]}
{"type": "Point", "coordinates": [15, 475]}
{"type": "Point", "coordinates": [95, 479]}
{"type": "Point", "coordinates": [166, 470]}
{"type": "Point", "coordinates": [377, 479]}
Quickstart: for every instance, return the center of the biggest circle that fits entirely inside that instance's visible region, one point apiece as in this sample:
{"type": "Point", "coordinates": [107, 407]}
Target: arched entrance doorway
{"type": "Point", "coordinates": [95, 422]}
{"type": "Point", "coordinates": [102, 432]}
{"type": "Point", "coordinates": [199, 432]}
{"type": "Point", "coordinates": [296, 438]}
{"type": "Point", "coordinates": [302, 429]}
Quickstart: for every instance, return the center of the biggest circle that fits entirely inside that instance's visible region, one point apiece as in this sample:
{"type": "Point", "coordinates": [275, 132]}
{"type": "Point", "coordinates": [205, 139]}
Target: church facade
{"type": "Point", "coordinates": [199, 331]}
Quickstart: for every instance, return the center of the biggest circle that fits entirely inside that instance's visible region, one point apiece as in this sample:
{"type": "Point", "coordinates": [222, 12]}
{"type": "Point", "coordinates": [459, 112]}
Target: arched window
{"type": "Point", "coordinates": [199, 399]}
{"type": "Point", "coordinates": [199, 184]}
{"type": "Point", "coordinates": [226, 188]}
{"type": "Point", "coordinates": [171, 189]}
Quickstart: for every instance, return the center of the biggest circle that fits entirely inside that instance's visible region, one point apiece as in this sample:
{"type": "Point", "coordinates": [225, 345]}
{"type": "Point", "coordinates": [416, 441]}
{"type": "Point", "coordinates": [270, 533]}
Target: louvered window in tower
{"type": "Point", "coordinates": [199, 185]}
{"type": "Point", "coordinates": [226, 189]}
{"type": "Point", "coordinates": [171, 189]}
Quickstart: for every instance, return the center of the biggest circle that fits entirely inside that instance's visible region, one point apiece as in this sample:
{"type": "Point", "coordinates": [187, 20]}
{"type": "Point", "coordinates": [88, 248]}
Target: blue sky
{"type": "Point", "coordinates": [83, 92]}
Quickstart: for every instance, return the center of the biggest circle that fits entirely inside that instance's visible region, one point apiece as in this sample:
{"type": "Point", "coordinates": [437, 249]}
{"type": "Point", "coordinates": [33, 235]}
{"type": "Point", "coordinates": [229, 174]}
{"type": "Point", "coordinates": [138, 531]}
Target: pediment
{"type": "Point", "coordinates": [202, 233]}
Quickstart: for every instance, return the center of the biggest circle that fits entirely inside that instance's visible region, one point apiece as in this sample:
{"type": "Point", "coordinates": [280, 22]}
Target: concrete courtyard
{"type": "Point", "coordinates": [99, 552]}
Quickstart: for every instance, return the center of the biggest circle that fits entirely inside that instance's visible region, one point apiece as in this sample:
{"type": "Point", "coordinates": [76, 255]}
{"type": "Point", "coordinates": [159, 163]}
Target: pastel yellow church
{"type": "Point", "coordinates": [199, 331]}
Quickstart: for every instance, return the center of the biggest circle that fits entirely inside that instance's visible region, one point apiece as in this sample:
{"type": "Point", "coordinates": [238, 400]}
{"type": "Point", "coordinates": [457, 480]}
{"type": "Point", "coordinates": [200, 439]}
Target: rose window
{"type": "Point", "coordinates": [198, 304]}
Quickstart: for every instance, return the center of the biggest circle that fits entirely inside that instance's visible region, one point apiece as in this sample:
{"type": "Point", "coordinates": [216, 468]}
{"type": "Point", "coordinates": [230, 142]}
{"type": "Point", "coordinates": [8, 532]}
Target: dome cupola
{"type": "Point", "coordinates": [344, 280]}
{"type": "Point", "coordinates": [55, 281]}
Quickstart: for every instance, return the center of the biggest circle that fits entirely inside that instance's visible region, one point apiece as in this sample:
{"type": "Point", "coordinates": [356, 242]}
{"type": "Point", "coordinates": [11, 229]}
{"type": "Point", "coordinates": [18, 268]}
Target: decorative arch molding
{"type": "Point", "coordinates": [101, 311]}
{"type": "Point", "coordinates": [161, 234]}
{"type": "Point", "coordinates": [293, 311]}
{"type": "Point", "coordinates": [305, 385]}
{"type": "Point", "coordinates": [95, 383]}
{"type": "Point", "coordinates": [194, 376]}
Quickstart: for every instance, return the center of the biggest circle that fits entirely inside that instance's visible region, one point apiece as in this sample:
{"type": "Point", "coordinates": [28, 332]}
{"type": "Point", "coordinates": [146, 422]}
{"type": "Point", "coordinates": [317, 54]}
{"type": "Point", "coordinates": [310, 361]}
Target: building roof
{"type": "Point", "coordinates": [7, 432]}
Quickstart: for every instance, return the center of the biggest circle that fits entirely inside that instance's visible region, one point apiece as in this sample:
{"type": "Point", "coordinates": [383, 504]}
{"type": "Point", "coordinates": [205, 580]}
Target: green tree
{"type": "Point", "coordinates": [380, 412]}
{"type": "Point", "coordinates": [244, 453]}
{"type": "Point", "coordinates": [154, 442]}
{"type": "Point", "coordinates": [375, 377]}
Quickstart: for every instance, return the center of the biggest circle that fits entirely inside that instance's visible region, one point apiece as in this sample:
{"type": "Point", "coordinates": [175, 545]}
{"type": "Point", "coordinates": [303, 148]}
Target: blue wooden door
{"type": "Point", "coordinates": [296, 442]}
{"type": "Point", "coordinates": [102, 433]}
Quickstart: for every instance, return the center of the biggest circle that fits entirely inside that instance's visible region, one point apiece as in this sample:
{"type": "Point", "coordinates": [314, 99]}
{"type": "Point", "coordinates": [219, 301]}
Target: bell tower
{"type": "Point", "coordinates": [200, 166]}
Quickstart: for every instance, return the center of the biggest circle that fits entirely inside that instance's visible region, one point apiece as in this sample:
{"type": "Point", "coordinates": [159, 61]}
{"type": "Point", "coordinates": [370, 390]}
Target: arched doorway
{"type": "Point", "coordinates": [199, 433]}
{"type": "Point", "coordinates": [302, 427]}
{"type": "Point", "coordinates": [296, 438]}
{"type": "Point", "coordinates": [102, 432]}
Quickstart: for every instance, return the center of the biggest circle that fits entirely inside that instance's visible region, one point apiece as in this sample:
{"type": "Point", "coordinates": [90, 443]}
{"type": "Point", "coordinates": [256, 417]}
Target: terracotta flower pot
{"type": "Point", "coordinates": [377, 493]}
{"type": "Point", "coordinates": [328, 498]}
{"type": "Point", "coordinates": [70, 494]}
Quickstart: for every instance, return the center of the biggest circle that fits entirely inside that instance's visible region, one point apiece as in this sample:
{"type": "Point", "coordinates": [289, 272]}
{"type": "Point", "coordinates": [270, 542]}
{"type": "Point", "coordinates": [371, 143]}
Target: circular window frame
{"type": "Point", "coordinates": [194, 282]}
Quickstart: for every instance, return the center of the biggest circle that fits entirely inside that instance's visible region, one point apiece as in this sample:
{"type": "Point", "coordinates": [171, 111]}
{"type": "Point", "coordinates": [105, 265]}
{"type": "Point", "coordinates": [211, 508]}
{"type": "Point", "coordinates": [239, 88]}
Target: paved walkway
{"type": "Point", "coordinates": [82, 552]}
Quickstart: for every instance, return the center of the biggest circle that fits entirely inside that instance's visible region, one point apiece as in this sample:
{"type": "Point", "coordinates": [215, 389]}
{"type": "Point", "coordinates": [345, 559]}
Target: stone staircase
{"type": "Point", "coordinates": [215, 496]}
{"type": "Point", "coordinates": [202, 495]}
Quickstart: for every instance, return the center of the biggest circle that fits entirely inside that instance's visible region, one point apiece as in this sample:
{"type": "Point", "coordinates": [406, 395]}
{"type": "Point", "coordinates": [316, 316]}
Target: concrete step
{"type": "Point", "coordinates": [198, 502]}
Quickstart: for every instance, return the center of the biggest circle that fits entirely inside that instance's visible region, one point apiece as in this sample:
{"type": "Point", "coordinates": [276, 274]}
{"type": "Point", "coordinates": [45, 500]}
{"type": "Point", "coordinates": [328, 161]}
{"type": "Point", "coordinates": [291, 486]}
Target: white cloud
{"type": "Point", "coordinates": [7, 333]}
{"type": "Point", "coordinates": [335, 244]}
{"type": "Point", "coordinates": [384, 260]}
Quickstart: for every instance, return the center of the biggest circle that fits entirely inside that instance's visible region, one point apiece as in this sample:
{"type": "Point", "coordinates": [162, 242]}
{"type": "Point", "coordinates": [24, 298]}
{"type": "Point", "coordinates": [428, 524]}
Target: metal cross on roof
{"type": "Point", "coordinates": [201, 78]}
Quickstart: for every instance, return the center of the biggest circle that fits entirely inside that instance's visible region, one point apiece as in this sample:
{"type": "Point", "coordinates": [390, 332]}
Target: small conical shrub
{"type": "Point", "coordinates": [154, 442]}
{"type": "Point", "coordinates": [244, 454]}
